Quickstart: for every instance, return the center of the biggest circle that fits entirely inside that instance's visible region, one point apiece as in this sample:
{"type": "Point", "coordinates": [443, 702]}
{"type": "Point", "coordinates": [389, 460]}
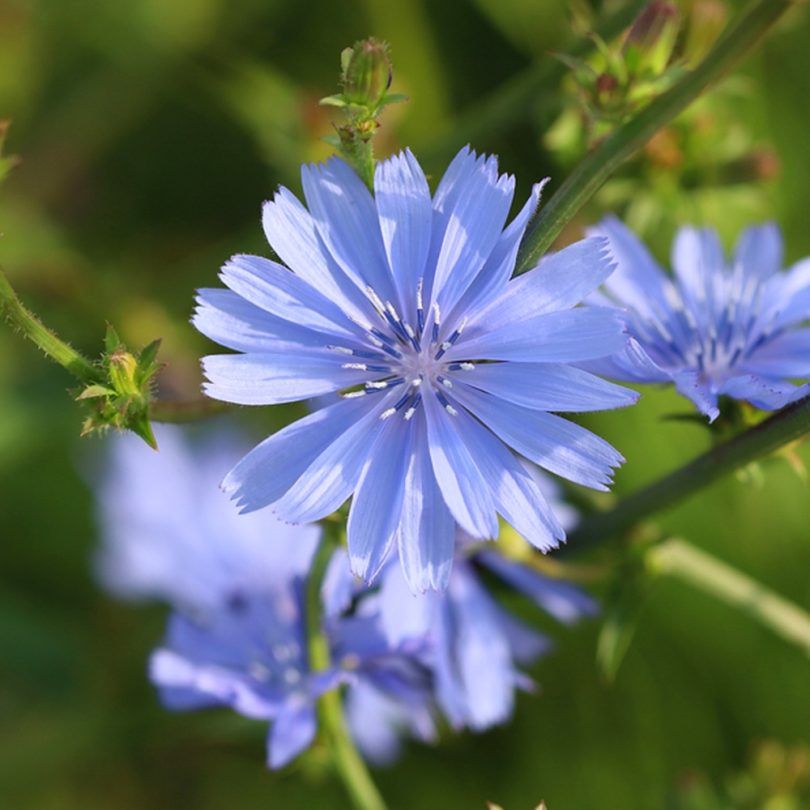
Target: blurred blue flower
{"type": "Point", "coordinates": [239, 634]}
{"type": "Point", "coordinates": [470, 643]}
{"type": "Point", "coordinates": [447, 367]}
{"type": "Point", "coordinates": [717, 327]}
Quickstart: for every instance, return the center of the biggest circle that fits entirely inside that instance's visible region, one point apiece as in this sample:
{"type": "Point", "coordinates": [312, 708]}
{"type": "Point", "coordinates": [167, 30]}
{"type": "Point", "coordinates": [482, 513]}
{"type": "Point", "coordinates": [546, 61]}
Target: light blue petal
{"type": "Point", "coordinates": [374, 721]}
{"type": "Point", "coordinates": [549, 387]}
{"type": "Point", "coordinates": [786, 297]}
{"type": "Point", "coordinates": [526, 645]}
{"type": "Point", "coordinates": [269, 378]}
{"type": "Point", "coordinates": [273, 466]}
{"type": "Point", "coordinates": [762, 392]}
{"type": "Point", "coordinates": [233, 322]}
{"type": "Point", "coordinates": [406, 213]}
{"type": "Point", "coordinates": [482, 653]}
{"type": "Point", "coordinates": [632, 364]}
{"type": "Point", "coordinates": [346, 218]}
{"type": "Point", "coordinates": [292, 234]}
{"type": "Point", "coordinates": [332, 477]}
{"type": "Point", "coordinates": [377, 503]}
{"type": "Point", "coordinates": [568, 336]}
{"type": "Point", "coordinates": [498, 268]}
{"type": "Point", "coordinates": [292, 733]}
{"type": "Point", "coordinates": [638, 280]}
{"type": "Point", "coordinates": [759, 251]}
{"type": "Point", "coordinates": [406, 615]}
{"type": "Point", "coordinates": [338, 585]}
{"type": "Point", "coordinates": [463, 487]}
{"type": "Point", "coordinates": [471, 206]}
{"type": "Point", "coordinates": [700, 391]}
{"type": "Point", "coordinates": [280, 292]}
{"type": "Point", "coordinates": [516, 495]}
{"type": "Point", "coordinates": [427, 530]}
{"type": "Point", "coordinates": [552, 442]}
{"type": "Point", "coordinates": [564, 602]}
{"type": "Point", "coordinates": [786, 355]}
{"type": "Point", "coordinates": [697, 258]}
{"type": "Point", "coordinates": [559, 282]}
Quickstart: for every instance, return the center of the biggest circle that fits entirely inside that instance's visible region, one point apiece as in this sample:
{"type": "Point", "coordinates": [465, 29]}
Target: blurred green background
{"type": "Point", "coordinates": [150, 132]}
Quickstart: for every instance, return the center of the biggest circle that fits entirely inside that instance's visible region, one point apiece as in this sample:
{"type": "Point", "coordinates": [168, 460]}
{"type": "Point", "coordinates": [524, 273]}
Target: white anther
{"type": "Point", "coordinates": [355, 366]}
{"type": "Point", "coordinates": [341, 349]}
{"type": "Point", "coordinates": [419, 294]}
{"type": "Point", "coordinates": [409, 331]}
{"type": "Point", "coordinates": [387, 414]}
{"type": "Point", "coordinates": [451, 410]}
{"type": "Point", "coordinates": [353, 394]}
{"type": "Point", "coordinates": [381, 384]}
{"type": "Point", "coordinates": [467, 366]}
{"type": "Point", "coordinates": [375, 300]}
{"type": "Point", "coordinates": [409, 413]}
{"type": "Point", "coordinates": [446, 383]}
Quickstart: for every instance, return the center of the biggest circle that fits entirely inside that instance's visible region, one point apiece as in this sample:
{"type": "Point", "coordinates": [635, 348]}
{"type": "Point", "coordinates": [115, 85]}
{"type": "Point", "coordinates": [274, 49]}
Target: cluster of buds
{"type": "Point", "coordinates": [123, 397]}
{"type": "Point", "coordinates": [623, 76]}
{"type": "Point", "coordinates": [366, 76]}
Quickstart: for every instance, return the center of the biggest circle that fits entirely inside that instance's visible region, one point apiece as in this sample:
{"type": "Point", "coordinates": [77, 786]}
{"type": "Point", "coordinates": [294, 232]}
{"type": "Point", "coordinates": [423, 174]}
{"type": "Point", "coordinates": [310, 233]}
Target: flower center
{"type": "Point", "coordinates": [407, 357]}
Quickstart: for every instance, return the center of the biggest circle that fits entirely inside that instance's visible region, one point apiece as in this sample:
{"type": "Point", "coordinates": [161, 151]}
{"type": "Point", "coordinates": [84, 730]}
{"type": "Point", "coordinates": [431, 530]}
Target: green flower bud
{"type": "Point", "coordinates": [651, 39]}
{"type": "Point", "coordinates": [367, 73]}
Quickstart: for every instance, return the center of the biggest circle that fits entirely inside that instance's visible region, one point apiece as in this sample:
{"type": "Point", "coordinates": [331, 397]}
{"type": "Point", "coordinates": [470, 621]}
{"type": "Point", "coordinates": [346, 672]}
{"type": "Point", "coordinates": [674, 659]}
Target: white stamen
{"type": "Point", "coordinates": [465, 366]}
{"type": "Point", "coordinates": [380, 384]}
{"type": "Point", "coordinates": [341, 349]}
{"type": "Point", "coordinates": [445, 382]}
{"type": "Point", "coordinates": [419, 294]}
{"type": "Point", "coordinates": [355, 366]}
{"type": "Point", "coordinates": [387, 414]}
{"type": "Point", "coordinates": [353, 394]}
{"type": "Point", "coordinates": [451, 410]}
{"type": "Point", "coordinates": [375, 300]}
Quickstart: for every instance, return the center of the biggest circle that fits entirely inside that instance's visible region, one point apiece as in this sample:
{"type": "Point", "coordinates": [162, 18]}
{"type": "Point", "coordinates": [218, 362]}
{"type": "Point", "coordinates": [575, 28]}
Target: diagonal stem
{"type": "Point", "coordinates": [596, 167]}
{"type": "Point", "coordinates": [788, 425]}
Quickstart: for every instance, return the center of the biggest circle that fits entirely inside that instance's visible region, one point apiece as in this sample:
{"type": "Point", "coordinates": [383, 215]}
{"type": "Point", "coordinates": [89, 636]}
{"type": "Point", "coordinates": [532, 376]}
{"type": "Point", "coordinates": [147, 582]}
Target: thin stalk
{"type": "Point", "coordinates": [595, 168]}
{"type": "Point", "coordinates": [21, 318]}
{"type": "Point", "coordinates": [679, 559]}
{"type": "Point", "coordinates": [788, 425]}
{"type": "Point", "coordinates": [348, 762]}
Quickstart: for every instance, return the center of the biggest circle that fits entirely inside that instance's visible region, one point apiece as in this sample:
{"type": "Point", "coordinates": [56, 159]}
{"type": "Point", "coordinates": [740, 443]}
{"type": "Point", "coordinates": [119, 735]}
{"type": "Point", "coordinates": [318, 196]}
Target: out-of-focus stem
{"type": "Point", "coordinates": [677, 558]}
{"type": "Point", "coordinates": [595, 168]}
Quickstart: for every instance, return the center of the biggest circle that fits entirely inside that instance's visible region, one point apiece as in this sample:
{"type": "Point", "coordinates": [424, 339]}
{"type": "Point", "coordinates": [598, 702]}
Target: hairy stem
{"type": "Point", "coordinates": [788, 425]}
{"type": "Point", "coordinates": [677, 558]}
{"type": "Point", "coordinates": [348, 762]}
{"type": "Point", "coordinates": [13, 310]}
{"type": "Point", "coordinates": [596, 167]}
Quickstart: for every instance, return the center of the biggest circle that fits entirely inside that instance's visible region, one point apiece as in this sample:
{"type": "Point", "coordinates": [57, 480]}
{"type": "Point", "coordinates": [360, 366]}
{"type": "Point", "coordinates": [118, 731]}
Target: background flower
{"type": "Point", "coordinates": [715, 328]}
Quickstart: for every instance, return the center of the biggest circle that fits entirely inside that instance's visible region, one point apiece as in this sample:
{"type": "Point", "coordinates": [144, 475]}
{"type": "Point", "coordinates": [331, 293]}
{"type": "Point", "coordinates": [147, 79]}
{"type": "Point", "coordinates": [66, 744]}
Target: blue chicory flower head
{"type": "Point", "coordinates": [238, 636]}
{"type": "Point", "coordinates": [403, 302]}
{"type": "Point", "coordinates": [717, 327]}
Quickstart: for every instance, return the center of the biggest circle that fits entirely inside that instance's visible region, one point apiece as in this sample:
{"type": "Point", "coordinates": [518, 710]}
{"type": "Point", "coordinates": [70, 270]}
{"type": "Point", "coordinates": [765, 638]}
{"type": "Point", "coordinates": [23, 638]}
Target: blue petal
{"type": "Point", "coordinates": [549, 387]}
{"type": "Point", "coordinates": [482, 654]}
{"type": "Point", "coordinates": [471, 205]}
{"type": "Point", "coordinates": [292, 733]}
{"type": "Point", "coordinates": [516, 495]}
{"type": "Point", "coordinates": [280, 292]}
{"type": "Point", "coordinates": [498, 268]}
{"type": "Point", "coordinates": [269, 378]}
{"type": "Point", "coordinates": [638, 281]}
{"type": "Point", "coordinates": [273, 466]}
{"type": "Point", "coordinates": [405, 615]}
{"type": "Point", "coordinates": [377, 503]}
{"type": "Point", "coordinates": [564, 602]}
{"type": "Point", "coordinates": [786, 297]}
{"type": "Point", "coordinates": [786, 355]}
{"type": "Point", "coordinates": [552, 442]}
{"type": "Point", "coordinates": [406, 213]}
{"type": "Point", "coordinates": [762, 392]}
{"type": "Point", "coordinates": [427, 529]}
{"type": "Point", "coordinates": [697, 258]}
{"type": "Point", "coordinates": [463, 487]}
{"type": "Point", "coordinates": [631, 364]}
{"type": "Point", "coordinates": [338, 585]}
{"type": "Point", "coordinates": [567, 336]}
{"type": "Point", "coordinates": [292, 234]}
{"type": "Point", "coordinates": [374, 720]}
{"type": "Point", "coordinates": [561, 281]}
{"type": "Point", "coordinates": [332, 477]}
{"type": "Point", "coordinates": [346, 218]}
{"type": "Point", "coordinates": [700, 391]}
{"type": "Point", "coordinates": [759, 251]}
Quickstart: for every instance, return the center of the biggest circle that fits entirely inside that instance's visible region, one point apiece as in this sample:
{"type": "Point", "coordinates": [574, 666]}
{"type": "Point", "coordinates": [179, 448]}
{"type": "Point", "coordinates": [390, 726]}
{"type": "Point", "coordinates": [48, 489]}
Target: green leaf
{"type": "Point", "coordinates": [622, 613]}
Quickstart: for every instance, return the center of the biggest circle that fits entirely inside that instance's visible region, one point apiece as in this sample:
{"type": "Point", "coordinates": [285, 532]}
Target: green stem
{"type": "Point", "coordinates": [518, 97]}
{"type": "Point", "coordinates": [347, 760]}
{"type": "Point", "coordinates": [186, 410]}
{"type": "Point", "coordinates": [23, 319]}
{"type": "Point", "coordinates": [596, 167]}
{"type": "Point", "coordinates": [679, 559]}
{"type": "Point", "coordinates": [786, 426]}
